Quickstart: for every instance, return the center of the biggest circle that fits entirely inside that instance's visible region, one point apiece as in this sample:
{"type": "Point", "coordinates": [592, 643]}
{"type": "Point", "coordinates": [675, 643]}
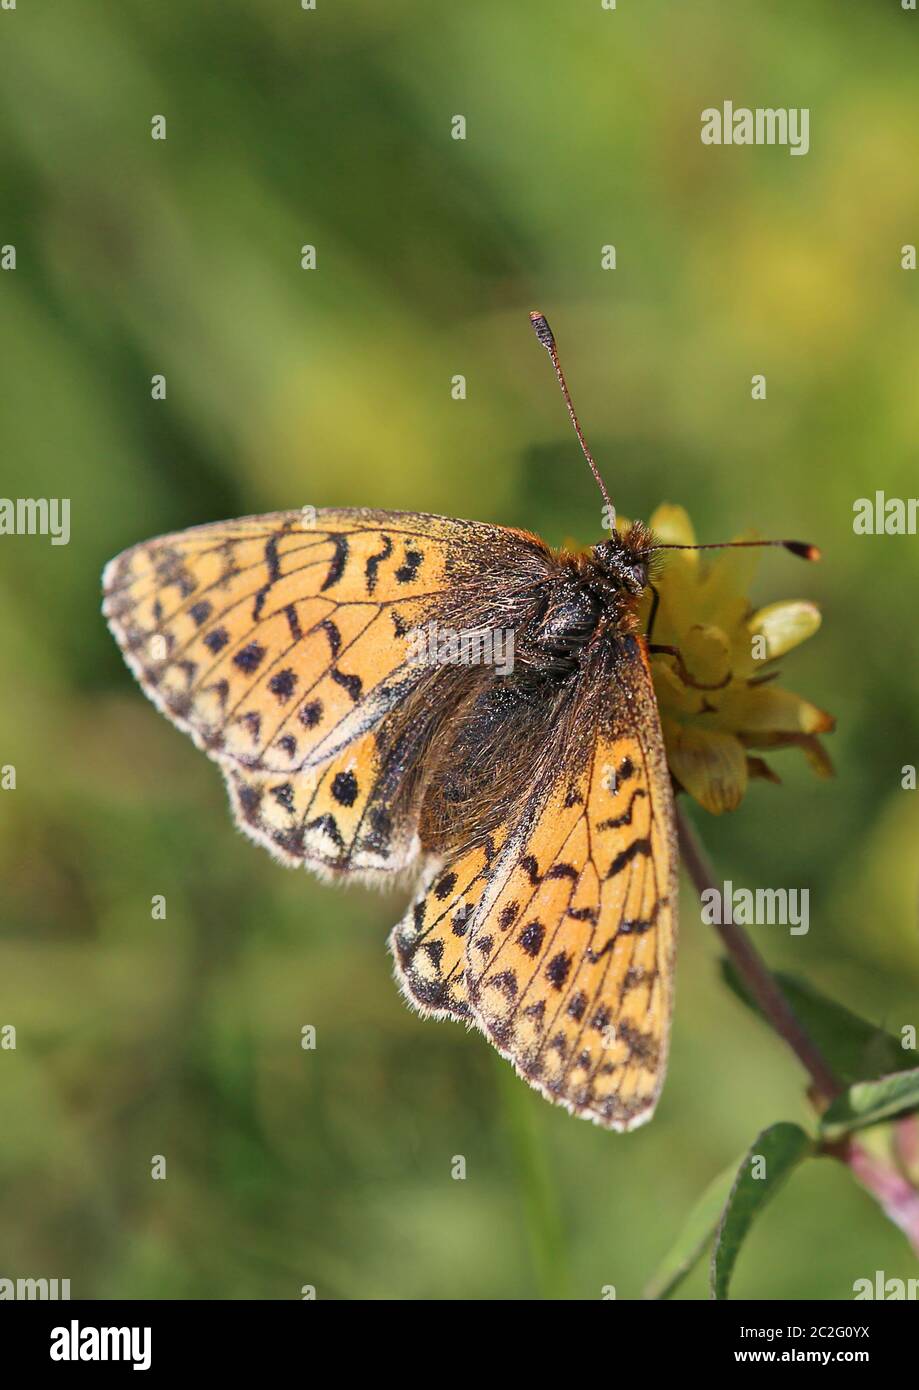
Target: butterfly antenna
{"type": "Point", "coordinates": [802, 549]}
{"type": "Point", "coordinates": [544, 333]}
{"type": "Point", "coordinates": [547, 338]}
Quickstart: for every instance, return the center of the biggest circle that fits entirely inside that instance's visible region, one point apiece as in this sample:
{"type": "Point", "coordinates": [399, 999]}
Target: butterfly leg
{"type": "Point", "coordinates": [652, 616]}
{"type": "Point", "coordinates": [657, 649]}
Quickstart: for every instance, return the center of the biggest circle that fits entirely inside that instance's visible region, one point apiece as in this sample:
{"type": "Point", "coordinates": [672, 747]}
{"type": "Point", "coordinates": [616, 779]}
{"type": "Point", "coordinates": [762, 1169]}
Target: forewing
{"type": "Point", "coordinates": [280, 643]}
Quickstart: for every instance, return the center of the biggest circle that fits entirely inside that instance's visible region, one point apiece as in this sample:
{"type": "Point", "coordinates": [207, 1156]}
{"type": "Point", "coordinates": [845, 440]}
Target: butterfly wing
{"type": "Point", "coordinates": [559, 942]}
{"type": "Point", "coordinates": [335, 818]}
{"type": "Point", "coordinates": [281, 643]}
{"type": "Point", "coordinates": [429, 944]}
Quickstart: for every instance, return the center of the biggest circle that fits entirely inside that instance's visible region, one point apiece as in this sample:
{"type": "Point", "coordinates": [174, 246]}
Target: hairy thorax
{"type": "Point", "coordinates": [484, 747]}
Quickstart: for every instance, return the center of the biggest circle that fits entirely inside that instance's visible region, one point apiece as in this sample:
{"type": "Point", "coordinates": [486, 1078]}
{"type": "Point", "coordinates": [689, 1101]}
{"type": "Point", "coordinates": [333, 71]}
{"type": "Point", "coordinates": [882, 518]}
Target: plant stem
{"type": "Point", "coordinates": [755, 974]}
{"type": "Point", "coordinates": [892, 1189]}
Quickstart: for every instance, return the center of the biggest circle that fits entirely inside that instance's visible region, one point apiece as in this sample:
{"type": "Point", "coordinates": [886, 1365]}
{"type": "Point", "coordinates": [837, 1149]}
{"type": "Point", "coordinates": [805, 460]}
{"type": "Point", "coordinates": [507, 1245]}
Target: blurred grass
{"type": "Point", "coordinates": [182, 1037]}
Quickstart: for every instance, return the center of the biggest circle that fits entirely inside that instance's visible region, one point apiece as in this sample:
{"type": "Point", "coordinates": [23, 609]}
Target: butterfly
{"type": "Point", "coordinates": [334, 664]}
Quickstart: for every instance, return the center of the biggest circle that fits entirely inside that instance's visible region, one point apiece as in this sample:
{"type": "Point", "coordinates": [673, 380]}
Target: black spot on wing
{"type": "Point", "coordinates": [577, 1006]}
{"type": "Point", "coordinates": [249, 800]}
{"type": "Point", "coordinates": [506, 982]}
{"type": "Point", "coordinates": [332, 633]}
{"type": "Point", "coordinates": [617, 822]}
{"type": "Point", "coordinates": [221, 689]}
{"type": "Point", "coordinates": [249, 657]}
{"type": "Point", "coordinates": [374, 562]}
{"type": "Point", "coordinates": [562, 871]}
{"type": "Point", "coordinates": [353, 684]}
{"type": "Point", "coordinates": [625, 857]}
{"type": "Point", "coordinates": [629, 926]}
{"type": "Point", "coordinates": [462, 918]}
{"type": "Point", "coordinates": [532, 937]}
{"type": "Point", "coordinates": [293, 622]}
{"type": "Point", "coordinates": [637, 926]}
{"type": "Point", "coordinates": [310, 714]}
{"type": "Point", "coordinates": [291, 841]}
{"type": "Point", "coordinates": [634, 976]}
{"type": "Point", "coordinates": [283, 684]}
{"type": "Point", "coordinates": [329, 826]}
{"type": "Point", "coordinates": [445, 886]}
{"type": "Point", "coordinates": [273, 561]}
{"type": "Point", "coordinates": [253, 722]}
{"type": "Point", "coordinates": [408, 570]}
{"type": "Point", "coordinates": [434, 950]}
{"type": "Point", "coordinates": [641, 1045]}
{"type": "Point", "coordinates": [344, 788]}
{"type": "Point", "coordinates": [558, 968]}
{"type": "Point", "coordinates": [531, 868]}
{"type": "Point", "coordinates": [339, 560]}
{"type": "Point", "coordinates": [284, 795]}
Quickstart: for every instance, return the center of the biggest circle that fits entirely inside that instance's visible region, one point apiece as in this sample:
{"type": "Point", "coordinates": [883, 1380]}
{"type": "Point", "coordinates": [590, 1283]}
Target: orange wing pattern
{"type": "Point", "coordinates": [333, 818]}
{"type": "Point", "coordinates": [429, 944]}
{"type": "Point", "coordinates": [558, 941]}
{"type": "Point", "coordinates": [280, 643]}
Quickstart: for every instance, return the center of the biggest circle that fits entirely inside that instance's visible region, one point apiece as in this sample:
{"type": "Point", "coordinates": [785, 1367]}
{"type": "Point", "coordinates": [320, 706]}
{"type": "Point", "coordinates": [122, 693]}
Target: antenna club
{"type": "Point", "coordinates": [805, 551]}
{"type": "Point", "coordinates": [542, 330]}
{"type": "Point", "coordinates": [546, 337]}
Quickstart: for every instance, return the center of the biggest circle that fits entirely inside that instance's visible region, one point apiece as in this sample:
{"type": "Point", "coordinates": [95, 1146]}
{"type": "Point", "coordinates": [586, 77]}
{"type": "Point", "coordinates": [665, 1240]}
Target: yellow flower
{"type": "Point", "coordinates": [715, 703]}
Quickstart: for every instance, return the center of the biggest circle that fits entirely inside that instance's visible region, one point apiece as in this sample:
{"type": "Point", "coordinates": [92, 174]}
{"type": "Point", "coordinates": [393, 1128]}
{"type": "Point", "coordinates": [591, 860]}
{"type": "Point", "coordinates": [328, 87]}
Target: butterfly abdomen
{"type": "Point", "coordinates": [482, 764]}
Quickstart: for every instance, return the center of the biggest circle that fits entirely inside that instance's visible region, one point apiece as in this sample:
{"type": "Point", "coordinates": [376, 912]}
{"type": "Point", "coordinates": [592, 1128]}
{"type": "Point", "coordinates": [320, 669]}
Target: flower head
{"type": "Point", "coordinates": [718, 705]}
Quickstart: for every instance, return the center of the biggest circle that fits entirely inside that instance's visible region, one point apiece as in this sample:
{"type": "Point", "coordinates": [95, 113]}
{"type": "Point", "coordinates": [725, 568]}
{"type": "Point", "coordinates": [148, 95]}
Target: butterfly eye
{"type": "Point", "coordinates": [627, 569]}
{"type": "Point", "coordinates": [635, 576]}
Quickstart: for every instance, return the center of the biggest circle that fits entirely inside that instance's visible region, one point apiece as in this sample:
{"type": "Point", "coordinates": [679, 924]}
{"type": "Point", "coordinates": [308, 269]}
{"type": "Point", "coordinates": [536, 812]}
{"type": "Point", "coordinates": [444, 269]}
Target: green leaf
{"type": "Point", "coordinates": [777, 1151]}
{"type": "Point", "coordinates": [697, 1232]}
{"type": "Point", "coordinates": [856, 1049]}
{"type": "Point", "coordinates": [869, 1101]}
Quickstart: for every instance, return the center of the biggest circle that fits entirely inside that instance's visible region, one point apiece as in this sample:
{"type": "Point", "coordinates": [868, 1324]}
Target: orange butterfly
{"type": "Point", "coordinates": [339, 667]}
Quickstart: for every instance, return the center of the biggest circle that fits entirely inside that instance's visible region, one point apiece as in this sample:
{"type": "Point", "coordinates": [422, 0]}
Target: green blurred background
{"type": "Point", "coordinates": [332, 387]}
